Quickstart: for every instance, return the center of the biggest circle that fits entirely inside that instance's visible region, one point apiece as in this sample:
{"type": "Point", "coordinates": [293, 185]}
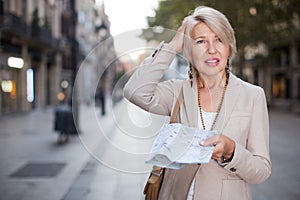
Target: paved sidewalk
{"type": "Point", "coordinates": [33, 165]}
{"type": "Point", "coordinates": [105, 161]}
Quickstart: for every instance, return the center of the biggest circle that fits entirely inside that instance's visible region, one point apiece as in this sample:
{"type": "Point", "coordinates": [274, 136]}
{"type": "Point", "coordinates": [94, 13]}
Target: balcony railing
{"type": "Point", "coordinates": [14, 25]}
{"type": "Point", "coordinates": [42, 36]}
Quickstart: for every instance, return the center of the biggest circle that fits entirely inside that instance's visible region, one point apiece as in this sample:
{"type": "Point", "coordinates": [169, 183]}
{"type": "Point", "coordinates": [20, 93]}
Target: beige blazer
{"type": "Point", "coordinates": [243, 118]}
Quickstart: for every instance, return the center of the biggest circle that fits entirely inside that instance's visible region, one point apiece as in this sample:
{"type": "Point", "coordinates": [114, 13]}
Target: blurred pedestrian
{"type": "Point", "coordinates": [100, 99]}
{"type": "Point", "coordinates": [213, 99]}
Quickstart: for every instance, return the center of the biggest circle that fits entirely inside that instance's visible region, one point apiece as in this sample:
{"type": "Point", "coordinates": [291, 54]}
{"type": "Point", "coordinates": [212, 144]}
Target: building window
{"type": "Point", "coordinates": [279, 87]}
{"type": "Point", "coordinates": [281, 57]}
{"type": "Point", "coordinates": [7, 6]}
{"type": "Point", "coordinates": [36, 3]}
{"type": "Point", "coordinates": [298, 55]}
{"type": "Point", "coordinates": [298, 88]}
{"type": "Point", "coordinates": [24, 9]}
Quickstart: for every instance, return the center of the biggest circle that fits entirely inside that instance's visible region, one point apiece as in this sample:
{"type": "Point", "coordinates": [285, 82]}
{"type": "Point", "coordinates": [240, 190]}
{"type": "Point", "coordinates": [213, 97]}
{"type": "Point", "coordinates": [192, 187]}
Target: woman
{"type": "Point", "coordinates": [213, 98]}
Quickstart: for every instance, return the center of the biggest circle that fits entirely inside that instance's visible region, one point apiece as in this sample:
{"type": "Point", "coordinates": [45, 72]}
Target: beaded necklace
{"type": "Point", "coordinates": [219, 106]}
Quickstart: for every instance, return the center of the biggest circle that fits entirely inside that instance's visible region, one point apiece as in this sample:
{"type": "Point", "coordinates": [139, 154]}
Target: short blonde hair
{"type": "Point", "coordinates": [217, 22]}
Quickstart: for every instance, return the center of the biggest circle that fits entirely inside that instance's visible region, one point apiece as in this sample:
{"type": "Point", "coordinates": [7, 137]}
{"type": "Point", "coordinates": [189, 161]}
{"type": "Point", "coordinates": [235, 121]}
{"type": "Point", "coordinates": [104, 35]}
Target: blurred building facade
{"type": "Point", "coordinates": [277, 70]}
{"type": "Point", "coordinates": [98, 66]}
{"type": "Point", "coordinates": [29, 40]}
{"type": "Point", "coordinates": [42, 43]}
{"type": "Point", "coordinates": [285, 75]}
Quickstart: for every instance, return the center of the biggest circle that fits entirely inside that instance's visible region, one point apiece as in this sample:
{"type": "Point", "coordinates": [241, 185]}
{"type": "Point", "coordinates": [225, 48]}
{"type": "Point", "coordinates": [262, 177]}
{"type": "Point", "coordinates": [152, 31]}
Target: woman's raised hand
{"type": "Point", "coordinates": [177, 41]}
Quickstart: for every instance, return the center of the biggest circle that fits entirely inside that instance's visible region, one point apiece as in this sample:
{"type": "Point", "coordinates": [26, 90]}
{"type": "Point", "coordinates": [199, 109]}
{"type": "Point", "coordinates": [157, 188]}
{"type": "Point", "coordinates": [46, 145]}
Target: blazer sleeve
{"type": "Point", "coordinates": [253, 162]}
{"type": "Point", "coordinates": [144, 88]}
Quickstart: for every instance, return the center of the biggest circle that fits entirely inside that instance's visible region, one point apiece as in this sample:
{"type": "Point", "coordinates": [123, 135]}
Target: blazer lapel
{"type": "Point", "coordinates": [231, 96]}
{"type": "Point", "coordinates": [190, 117]}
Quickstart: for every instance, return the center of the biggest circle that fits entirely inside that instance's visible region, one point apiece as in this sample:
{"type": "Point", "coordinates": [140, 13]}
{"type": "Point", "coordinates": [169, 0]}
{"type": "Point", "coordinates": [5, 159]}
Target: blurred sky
{"type": "Point", "coordinates": [127, 19]}
{"type": "Point", "coordinates": [127, 15]}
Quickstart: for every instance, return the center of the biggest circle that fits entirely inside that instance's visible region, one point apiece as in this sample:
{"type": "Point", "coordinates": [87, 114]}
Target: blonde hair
{"type": "Point", "coordinates": [217, 22]}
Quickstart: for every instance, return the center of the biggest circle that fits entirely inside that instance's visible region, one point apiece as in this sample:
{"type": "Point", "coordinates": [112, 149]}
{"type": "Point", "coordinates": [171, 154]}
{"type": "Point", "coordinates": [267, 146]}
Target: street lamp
{"type": "Point", "coordinates": [15, 62]}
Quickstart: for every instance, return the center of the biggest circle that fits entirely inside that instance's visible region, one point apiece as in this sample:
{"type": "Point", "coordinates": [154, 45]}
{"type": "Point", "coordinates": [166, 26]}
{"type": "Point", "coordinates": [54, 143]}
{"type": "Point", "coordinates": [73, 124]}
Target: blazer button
{"type": "Point", "coordinates": [232, 169]}
{"type": "Point", "coordinates": [154, 53]}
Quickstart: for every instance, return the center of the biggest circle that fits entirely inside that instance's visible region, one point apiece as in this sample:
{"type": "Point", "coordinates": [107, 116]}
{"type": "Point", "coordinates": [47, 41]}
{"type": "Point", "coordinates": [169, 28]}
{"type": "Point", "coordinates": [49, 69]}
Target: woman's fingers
{"type": "Point", "coordinates": [224, 146]}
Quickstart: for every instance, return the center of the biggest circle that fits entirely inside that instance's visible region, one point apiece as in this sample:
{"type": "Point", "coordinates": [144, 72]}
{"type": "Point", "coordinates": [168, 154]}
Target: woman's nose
{"type": "Point", "coordinates": [211, 48]}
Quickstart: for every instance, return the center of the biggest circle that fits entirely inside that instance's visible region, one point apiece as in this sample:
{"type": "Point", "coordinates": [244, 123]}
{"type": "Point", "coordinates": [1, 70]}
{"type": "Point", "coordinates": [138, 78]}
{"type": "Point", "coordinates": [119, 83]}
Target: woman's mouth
{"type": "Point", "coordinates": [212, 62]}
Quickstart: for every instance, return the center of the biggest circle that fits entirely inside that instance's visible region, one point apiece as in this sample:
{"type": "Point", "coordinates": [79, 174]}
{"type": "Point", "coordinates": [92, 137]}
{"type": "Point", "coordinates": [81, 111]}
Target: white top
{"type": "Point", "coordinates": [208, 118]}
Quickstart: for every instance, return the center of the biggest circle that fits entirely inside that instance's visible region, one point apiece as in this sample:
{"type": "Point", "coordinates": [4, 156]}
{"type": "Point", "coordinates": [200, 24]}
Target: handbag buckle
{"type": "Point", "coordinates": [157, 172]}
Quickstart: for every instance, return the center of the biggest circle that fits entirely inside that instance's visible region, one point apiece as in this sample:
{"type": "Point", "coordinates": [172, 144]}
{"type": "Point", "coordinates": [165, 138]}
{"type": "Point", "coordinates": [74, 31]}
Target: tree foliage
{"type": "Point", "coordinates": [273, 22]}
{"type": "Point", "coordinates": [170, 13]}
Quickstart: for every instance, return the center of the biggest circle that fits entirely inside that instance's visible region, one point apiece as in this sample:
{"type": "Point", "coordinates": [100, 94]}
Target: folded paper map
{"type": "Point", "coordinates": [177, 145]}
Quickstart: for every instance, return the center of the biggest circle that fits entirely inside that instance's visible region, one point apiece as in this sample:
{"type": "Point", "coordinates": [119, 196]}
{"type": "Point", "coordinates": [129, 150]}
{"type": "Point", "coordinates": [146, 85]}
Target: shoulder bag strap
{"type": "Point", "coordinates": [176, 107]}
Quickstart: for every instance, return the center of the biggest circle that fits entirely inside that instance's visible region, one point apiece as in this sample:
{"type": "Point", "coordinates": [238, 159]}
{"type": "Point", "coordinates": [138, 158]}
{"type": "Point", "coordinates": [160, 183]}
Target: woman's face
{"type": "Point", "coordinates": [209, 53]}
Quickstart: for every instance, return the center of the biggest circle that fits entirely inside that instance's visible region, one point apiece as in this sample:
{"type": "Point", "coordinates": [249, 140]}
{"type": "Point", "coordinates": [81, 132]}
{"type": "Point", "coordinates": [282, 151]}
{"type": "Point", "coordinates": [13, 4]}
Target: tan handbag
{"type": "Point", "coordinates": [153, 185]}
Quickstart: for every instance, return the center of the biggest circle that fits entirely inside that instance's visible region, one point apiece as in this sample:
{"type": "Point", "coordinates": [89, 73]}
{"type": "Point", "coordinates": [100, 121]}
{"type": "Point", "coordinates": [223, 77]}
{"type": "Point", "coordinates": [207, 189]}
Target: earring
{"type": "Point", "coordinates": [190, 72]}
{"type": "Point", "coordinates": [228, 66]}
{"type": "Point", "coordinates": [227, 69]}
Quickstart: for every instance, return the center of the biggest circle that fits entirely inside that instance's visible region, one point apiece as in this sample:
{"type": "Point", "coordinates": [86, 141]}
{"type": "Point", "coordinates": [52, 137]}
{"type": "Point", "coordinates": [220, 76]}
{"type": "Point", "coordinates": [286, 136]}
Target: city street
{"type": "Point", "coordinates": [80, 52]}
{"type": "Point", "coordinates": [106, 161]}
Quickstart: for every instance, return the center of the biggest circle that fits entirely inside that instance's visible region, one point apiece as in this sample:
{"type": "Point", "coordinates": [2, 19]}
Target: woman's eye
{"type": "Point", "coordinates": [200, 41]}
{"type": "Point", "coordinates": [219, 40]}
